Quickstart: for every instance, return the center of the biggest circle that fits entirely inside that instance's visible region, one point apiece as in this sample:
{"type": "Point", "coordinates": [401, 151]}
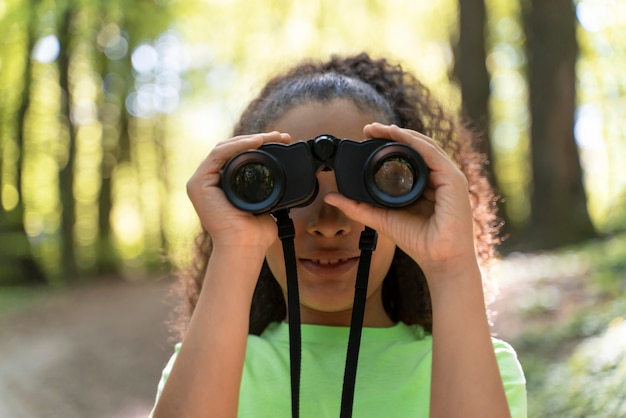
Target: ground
{"type": "Point", "coordinates": [95, 351]}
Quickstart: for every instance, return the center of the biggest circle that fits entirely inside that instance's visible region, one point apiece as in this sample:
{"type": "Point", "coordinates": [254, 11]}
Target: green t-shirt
{"type": "Point", "coordinates": [393, 375]}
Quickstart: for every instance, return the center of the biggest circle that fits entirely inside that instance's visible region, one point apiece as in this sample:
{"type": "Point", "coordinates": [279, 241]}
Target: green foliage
{"type": "Point", "coordinates": [590, 383]}
{"type": "Point", "coordinates": [130, 167]}
{"type": "Point", "coordinates": [615, 219]}
{"type": "Point", "coordinates": [576, 364]}
{"type": "Point", "coordinates": [608, 259]}
{"type": "Point", "coordinates": [66, 74]}
{"type": "Point", "coordinates": [19, 298]}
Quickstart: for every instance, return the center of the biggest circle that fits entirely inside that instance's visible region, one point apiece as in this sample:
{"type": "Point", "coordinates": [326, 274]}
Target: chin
{"type": "Point", "coordinates": [330, 317]}
{"type": "Point", "coordinates": [327, 308]}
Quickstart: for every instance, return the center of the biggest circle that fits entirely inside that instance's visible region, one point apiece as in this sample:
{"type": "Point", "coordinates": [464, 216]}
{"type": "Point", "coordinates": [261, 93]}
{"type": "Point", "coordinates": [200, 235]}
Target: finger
{"type": "Point", "coordinates": [358, 211]}
{"type": "Point", "coordinates": [268, 136]}
{"type": "Point", "coordinates": [435, 157]}
{"type": "Point", "coordinates": [375, 129]}
{"type": "Point", "coordinates": [403, 135]}
{"type": "Point", "coordinates": [225, 150]}
{"type": "Point", "coordinates": [429, 194]}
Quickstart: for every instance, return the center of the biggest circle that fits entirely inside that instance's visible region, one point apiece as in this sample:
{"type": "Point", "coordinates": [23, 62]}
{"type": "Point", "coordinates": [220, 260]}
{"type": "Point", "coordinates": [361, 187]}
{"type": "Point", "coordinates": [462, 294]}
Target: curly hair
{"type": "Point", "coordinates": [397, 97]}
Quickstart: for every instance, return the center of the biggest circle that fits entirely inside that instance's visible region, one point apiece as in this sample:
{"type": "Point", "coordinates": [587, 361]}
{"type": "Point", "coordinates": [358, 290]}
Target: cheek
{"type": "Point", "coordinates": [276, 261]}
{"type": "Point", "coordinates": [382, 258]}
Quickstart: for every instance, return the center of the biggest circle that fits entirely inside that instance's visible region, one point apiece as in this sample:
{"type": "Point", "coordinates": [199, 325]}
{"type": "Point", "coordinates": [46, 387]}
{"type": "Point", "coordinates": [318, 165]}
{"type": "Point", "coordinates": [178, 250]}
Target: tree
{"type": "Point", "coordinates": [16, 256]}
{"type": "Point", "coordinates": [69, 268]}
{"type": "Point", "coordinates": [66, 114]}
{"type": "Point", "coordinates": [559, 213]}
{"type": "Point", "coordinates": [471, 71]}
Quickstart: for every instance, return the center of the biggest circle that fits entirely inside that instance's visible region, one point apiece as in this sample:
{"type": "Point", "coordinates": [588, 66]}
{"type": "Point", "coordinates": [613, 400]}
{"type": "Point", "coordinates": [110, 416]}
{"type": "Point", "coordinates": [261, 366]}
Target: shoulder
{"type": "Point", "coordinates": [512, 377]}
{"type": "Point", "coordinates": [165, 374]}
{"type": "Point", "coordinates": [508, 361]}
{"type": "Point", "coordinates": [168, 367]}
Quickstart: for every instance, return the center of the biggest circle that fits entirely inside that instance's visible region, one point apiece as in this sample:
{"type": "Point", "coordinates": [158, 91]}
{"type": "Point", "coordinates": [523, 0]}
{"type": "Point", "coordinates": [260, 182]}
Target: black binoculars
{"type": "Point", "coordinates": [276, 176]}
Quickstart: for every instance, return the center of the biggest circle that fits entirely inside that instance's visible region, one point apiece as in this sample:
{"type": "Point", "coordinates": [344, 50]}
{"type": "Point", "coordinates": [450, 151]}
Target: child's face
{"type": "Point", "coordinates": [327, 241]}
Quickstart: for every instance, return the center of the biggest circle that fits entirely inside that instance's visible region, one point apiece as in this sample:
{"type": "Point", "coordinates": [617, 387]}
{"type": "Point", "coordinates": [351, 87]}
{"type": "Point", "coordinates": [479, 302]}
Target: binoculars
{"type": "Point", "coordinates": [276, 176]}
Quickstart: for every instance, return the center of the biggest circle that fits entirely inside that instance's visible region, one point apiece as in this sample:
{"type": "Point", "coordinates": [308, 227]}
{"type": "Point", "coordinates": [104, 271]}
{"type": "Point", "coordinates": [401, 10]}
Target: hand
{"type": "Point", "coordinates": [227, 225]}
{"type": "Point", "coordinates": [438, 229]}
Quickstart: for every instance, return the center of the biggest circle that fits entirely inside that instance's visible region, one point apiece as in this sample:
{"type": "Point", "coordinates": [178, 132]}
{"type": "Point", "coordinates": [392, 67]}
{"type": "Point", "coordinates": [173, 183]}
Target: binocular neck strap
{"type": "Point", "coordinates": [367, 244]}
{"type": "Point", "coordinates": [286, 233]}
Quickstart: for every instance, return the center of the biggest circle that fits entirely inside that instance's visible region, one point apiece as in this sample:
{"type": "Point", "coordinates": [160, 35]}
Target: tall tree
{"type": "Point", "coordinates": [559, 213]}
{"type": "Point", "coordinates": [116, 149]}
{"type": "Point", "coordinates": [117, 78]}
{"type": "Point", "coordinates": [69, 269]}
{"type": "Point", "coordinates": [17, 263]}
{"type": "Point", "coordinates": [470, 69]}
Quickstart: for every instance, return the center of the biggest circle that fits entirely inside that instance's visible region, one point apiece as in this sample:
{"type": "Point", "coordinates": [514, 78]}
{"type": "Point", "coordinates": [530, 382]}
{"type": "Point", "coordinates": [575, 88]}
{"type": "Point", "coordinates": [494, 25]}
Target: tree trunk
{"type": "Point", "coordinates": [114, 137]}
{"type": "Point", "coordinates": [17, 263]}
{"type": "Point", "coordinates": [559, 213]}
{"type": "Point", "coordinates": [69, 269]}
{"type": "Point", "coordinates": [470, 70]}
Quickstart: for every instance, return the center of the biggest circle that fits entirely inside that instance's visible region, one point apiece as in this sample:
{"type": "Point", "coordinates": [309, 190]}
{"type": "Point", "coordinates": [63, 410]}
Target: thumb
{"type": "Point", "coordinates": [363, 213]}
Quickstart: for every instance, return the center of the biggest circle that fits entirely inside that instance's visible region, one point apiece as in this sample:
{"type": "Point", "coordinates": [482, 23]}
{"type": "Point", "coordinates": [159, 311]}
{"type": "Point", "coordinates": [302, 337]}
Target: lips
{"type": "Point", "coordinates": [329, 267]}
{"type": "Point", "coordinates": [328, 261]}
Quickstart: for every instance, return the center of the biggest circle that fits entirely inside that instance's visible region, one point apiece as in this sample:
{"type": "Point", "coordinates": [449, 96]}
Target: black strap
{"type": "Point", "coordinates": [367, 245]}
{"type": "Point", "coordinates": [286, 233]}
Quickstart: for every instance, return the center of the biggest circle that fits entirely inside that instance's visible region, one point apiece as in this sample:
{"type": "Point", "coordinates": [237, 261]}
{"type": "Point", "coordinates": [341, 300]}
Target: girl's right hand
{"type": "Point", "coordinates": [227, 225]}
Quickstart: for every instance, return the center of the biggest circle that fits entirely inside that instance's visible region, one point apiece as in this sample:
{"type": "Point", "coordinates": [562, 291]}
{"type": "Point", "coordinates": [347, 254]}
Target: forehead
{"type": "Point", "coordinates": [341, 118]}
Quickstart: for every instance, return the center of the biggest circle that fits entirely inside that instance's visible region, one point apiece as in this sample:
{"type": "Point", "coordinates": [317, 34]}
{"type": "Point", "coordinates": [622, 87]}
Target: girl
{"type": "Point", "coordinates": [426, 346]}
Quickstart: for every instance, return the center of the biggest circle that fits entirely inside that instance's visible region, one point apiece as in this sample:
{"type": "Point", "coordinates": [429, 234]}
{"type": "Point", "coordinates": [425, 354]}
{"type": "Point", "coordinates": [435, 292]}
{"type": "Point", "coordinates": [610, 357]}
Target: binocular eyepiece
{"type": "Point", "coordinates": [277, 176]}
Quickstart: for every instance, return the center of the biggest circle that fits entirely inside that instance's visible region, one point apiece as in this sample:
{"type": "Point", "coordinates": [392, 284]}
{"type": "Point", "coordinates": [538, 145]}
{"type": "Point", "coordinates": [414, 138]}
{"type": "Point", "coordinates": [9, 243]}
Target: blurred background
{"type": "Point", "coordinates": [106, 108]}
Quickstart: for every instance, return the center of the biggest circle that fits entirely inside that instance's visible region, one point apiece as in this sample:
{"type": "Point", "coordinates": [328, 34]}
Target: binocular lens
{"type": "Point", "coordinates": [394, 176]}
{"type": "Point", "coordinates": [253, 182]}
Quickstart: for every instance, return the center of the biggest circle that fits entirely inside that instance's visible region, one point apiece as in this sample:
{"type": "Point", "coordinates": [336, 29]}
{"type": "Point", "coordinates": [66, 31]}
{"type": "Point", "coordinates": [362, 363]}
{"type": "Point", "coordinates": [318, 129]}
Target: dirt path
{"type": "Point", "coordinates": [97, 351]}
{"type": "Point", "coordinates": [91, 352]}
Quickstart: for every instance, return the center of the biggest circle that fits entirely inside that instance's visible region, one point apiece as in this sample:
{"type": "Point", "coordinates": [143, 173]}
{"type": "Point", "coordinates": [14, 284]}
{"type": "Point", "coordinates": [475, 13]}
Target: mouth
{"type": "Point", "coordinates": [330, 267]}
{"type": "Point", "coordinates": [326, 262]}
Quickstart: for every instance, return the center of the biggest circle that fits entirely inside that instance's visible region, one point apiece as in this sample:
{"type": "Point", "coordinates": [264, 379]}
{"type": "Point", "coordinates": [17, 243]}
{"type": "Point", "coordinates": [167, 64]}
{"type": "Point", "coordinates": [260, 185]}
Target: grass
{"type": "Point", "coordinates": [574, 353]}
{"type": "Point", "coordinates": [17, 298]}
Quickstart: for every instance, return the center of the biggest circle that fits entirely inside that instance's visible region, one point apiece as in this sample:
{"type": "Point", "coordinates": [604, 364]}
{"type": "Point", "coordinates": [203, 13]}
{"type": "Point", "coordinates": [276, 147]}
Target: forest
{"type": "Point", "coordinates": [107, 107]}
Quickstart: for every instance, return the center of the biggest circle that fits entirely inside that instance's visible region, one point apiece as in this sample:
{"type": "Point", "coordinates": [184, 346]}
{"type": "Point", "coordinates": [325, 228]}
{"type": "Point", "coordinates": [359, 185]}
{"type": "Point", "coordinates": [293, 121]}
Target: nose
{"type": "Point", "coordinates": [325, 220]}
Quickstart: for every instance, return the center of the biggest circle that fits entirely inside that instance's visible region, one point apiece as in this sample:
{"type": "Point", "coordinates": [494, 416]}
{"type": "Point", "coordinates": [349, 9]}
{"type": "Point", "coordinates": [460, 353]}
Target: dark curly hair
{"type": "Point", "coordinates": [395, 96]}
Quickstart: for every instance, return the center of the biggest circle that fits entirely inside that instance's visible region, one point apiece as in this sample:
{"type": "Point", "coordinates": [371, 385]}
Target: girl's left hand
{"type": "Point", "coordinates": [438, 228]}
